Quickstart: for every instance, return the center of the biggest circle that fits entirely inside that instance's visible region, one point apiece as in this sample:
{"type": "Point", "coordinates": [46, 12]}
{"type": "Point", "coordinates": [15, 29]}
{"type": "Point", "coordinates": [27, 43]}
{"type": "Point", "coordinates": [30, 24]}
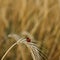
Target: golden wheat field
{"type": "Point", "coordinates": [40, 18]}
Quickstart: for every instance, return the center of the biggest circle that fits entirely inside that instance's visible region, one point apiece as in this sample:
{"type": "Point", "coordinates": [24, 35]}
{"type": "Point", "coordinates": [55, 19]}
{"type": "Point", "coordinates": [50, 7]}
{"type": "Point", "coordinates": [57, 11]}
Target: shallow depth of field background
{"type": "Point", "coordinates": [41, 18]}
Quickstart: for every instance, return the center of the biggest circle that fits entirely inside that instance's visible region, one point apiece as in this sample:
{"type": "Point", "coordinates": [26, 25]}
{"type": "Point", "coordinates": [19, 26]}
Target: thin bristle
{"type": "Point", "coordinates": [15, 36]}
{"type": "Point", "coordinates": [40, 52]}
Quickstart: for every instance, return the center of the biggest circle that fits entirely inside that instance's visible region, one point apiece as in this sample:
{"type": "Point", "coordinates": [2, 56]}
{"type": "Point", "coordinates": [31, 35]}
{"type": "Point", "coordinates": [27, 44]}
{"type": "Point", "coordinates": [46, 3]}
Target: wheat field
{"type": "Point", "coordinates": [40, 18]}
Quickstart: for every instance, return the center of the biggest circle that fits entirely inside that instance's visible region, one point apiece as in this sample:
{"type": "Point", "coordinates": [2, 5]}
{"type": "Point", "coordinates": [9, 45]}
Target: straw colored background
{"type": "Point", "coordinates": [41, 18]}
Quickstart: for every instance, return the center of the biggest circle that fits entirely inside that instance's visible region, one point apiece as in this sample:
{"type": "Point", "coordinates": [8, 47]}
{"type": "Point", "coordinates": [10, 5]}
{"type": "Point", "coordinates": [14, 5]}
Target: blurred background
{"type": "Point", "coordinates": [41, 18]}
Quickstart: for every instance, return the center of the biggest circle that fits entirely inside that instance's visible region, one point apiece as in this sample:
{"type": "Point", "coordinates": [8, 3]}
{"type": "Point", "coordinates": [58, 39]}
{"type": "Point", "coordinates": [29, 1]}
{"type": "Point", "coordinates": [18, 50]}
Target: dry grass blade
{"type": "Point", "coordinates": [42, 55]}
{"type": "Point", "coordinates": [31, 46]}
{"type": "Point", "coordinates": [9, 49]}
{"type": "Point", "coordinates": [46, 8]}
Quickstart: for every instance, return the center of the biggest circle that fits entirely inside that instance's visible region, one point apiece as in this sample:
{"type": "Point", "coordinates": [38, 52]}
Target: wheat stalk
{"type": "Point", "coordinates": [31, 46]}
